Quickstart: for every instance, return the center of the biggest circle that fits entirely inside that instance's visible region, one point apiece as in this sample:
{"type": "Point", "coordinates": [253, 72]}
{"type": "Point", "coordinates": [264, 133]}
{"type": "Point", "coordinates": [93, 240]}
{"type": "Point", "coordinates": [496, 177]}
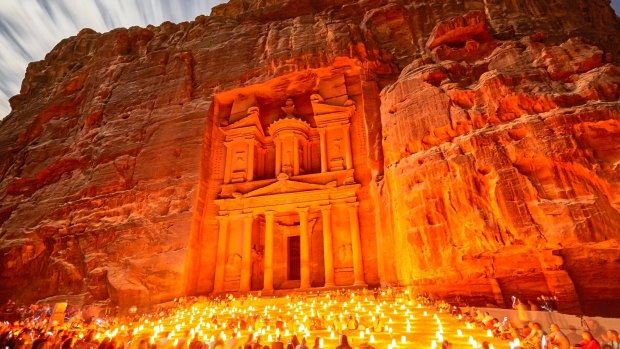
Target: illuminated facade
{"type": "Point", "coordinates": [287, 200]}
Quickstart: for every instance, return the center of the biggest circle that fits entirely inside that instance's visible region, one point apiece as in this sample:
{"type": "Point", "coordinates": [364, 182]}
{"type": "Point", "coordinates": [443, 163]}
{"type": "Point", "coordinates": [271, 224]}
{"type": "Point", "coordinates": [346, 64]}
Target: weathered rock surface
{"type": "Point", "coordinates": [502, 170]}
{"type": "Point", "coordinates": [499, 137]}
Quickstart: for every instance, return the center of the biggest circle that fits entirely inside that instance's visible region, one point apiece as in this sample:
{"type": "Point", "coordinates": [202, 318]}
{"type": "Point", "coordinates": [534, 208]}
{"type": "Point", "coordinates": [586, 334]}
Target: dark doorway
{"type": "Point", "coordinates": [294, 260]}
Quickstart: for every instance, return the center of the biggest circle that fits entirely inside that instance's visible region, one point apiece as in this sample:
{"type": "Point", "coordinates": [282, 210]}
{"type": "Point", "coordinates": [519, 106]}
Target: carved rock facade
{"type": "Point", "coordinates": [486, 167]}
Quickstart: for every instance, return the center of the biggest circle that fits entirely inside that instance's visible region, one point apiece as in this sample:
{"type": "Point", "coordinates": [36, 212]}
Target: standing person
{"type": "Point", "coordinates": [317, 343]}
{"type": "Point", "coordinates": [302, 345]}
{"type": "Point", "coordinates": [344, 342]}
{"type": "Point", "coordinates": [612, 339]}
{"type": "Point", "coordinates": [557, 338]}
{"type": "Point", "coordinates": [293, 343]}
{"type": "Point", "coordinates": [194, 344]}
{"type": "Point", "coordinates": [588, 341]}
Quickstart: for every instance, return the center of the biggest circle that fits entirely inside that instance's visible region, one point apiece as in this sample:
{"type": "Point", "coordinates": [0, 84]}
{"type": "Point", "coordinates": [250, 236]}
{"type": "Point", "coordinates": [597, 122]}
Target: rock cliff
{"type": "Point", "coordinates": [492, 148]}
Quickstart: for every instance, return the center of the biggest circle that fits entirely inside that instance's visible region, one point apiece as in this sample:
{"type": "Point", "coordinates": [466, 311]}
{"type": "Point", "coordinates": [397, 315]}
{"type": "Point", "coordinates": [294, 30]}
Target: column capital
{"type": "Point", "coordinates": [304, 210]}
{"type": "Point", "coordinates": [321, 130]}
{"type": "Point", "coordinates": [325, 208]}
{"type": "Point", "coordinates": [269, 213]}
{"type": "Point", "coordinates": [353, 205]}
{"type": "Point", "coordinates": [247, 215]}
{"type": "Point", "coordinates": [222, 217]}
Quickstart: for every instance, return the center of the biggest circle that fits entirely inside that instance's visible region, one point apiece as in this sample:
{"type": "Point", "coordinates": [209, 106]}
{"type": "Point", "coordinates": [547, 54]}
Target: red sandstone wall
{"type": "Point", "coordinates": [105, 158]}
{"type": "Point", "coordinates": [502, 170]}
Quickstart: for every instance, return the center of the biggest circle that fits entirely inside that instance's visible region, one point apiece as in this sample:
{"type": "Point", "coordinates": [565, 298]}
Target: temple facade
{"type": "Point", "coordinates": [286, 192]}
{"type": "Point", "coordinates": [274, 190]}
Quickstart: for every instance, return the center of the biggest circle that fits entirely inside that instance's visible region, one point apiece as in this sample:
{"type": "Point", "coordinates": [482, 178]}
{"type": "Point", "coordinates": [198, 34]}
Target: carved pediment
{"type": "Point", "coordinates": [325, 114]}
{"type": "Point", "coordinates": [288, 186]}
{"type": "Point", "coordinates": [319, 107]}
{"type": "Point", "coordinates": [249, 123]}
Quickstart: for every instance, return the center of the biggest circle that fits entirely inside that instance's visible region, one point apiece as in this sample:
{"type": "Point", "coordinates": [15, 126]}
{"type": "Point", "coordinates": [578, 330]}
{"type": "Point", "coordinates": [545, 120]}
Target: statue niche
{"type": "Point", "coordinates": [233, 267]}
{"type": "Point", "coordinates": [239, 172]}
{"type": "Point", "coordinates": [336, 156]}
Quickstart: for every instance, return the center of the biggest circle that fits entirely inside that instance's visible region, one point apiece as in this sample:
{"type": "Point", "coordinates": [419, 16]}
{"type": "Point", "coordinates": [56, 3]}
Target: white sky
{"type": "Point", "coordinates": [29, 29]}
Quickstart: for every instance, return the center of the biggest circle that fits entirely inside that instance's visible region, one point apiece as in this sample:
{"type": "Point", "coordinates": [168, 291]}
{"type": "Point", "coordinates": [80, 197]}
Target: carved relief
{"type": "Point", "coordinates": [336, 156]}
{"type": "Point", "coordinates": [289, 108]}
{"type": "Point", "coordinates": [344, 256]}
{"type": "Point", "coordinates": [233, 267]}
{"type": "Point", "coordinates": [239, 172]}
{"type": "Point", "coordinates": [257, 267]}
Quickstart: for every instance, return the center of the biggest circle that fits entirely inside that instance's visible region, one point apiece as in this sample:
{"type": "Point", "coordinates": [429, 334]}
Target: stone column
{"type": "Point", "coordinates": [246, 256]}
{"type": "Point", "coordinates": [295, 156]}
{"type": "Point", "coordinates": [304, 252]}
{"type": "Point", "coordinates": [347, 147]}
{"type": "Point", "coordinates": [227, 168]}
{"type": "Point", "coordinates": [356, 245]}
{"type": "Point", "coordinates": [328, 253]}
{"type": "Point", "coordinates": [268, 272]}
{"type": "Point", "coordinates": [278, 157]}
{"type": "Point", "coordinates": [250, 165]}
{"type": "Point", "coordinates": [220, 258]}
{"type": "Point", "coordinates": [323, 141]}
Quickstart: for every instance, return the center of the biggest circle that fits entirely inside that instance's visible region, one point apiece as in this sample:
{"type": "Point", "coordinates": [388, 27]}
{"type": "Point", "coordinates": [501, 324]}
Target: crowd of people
{"type": "Point", "coordinates": [32, 327]}
{"type": "Point", "coordinates": [532, 336]}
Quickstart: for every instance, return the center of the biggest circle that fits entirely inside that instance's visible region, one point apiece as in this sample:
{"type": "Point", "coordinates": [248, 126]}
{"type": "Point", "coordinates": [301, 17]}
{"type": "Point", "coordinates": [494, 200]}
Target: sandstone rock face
{"type": "Point", "coordinates": [492, 150]}
{"type": "Point", "coordinates": [506, 153]}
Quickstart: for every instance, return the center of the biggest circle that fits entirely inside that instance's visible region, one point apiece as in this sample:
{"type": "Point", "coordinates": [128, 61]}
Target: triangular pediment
{"type": "Point", "coordinates": [326, 114]}
{"type": "Point", "coordinates": [252, 120]}
{"type": "Point", "coordinates": [282, 186]}
{"type": "Point", "coordinates": [323, 108]}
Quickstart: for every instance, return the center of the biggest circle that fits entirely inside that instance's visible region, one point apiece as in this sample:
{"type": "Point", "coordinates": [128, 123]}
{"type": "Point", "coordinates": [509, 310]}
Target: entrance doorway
{"type": "Point", "coordinates": [294, 258]}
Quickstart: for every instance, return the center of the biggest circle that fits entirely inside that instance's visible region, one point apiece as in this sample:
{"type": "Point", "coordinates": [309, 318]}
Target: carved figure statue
{"type": "Point", "coordinates": [344, 255]}
{"type": "Point", "coordinates": [289, 108]}
{"type": "Point", "coordinates": [233, 266]}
